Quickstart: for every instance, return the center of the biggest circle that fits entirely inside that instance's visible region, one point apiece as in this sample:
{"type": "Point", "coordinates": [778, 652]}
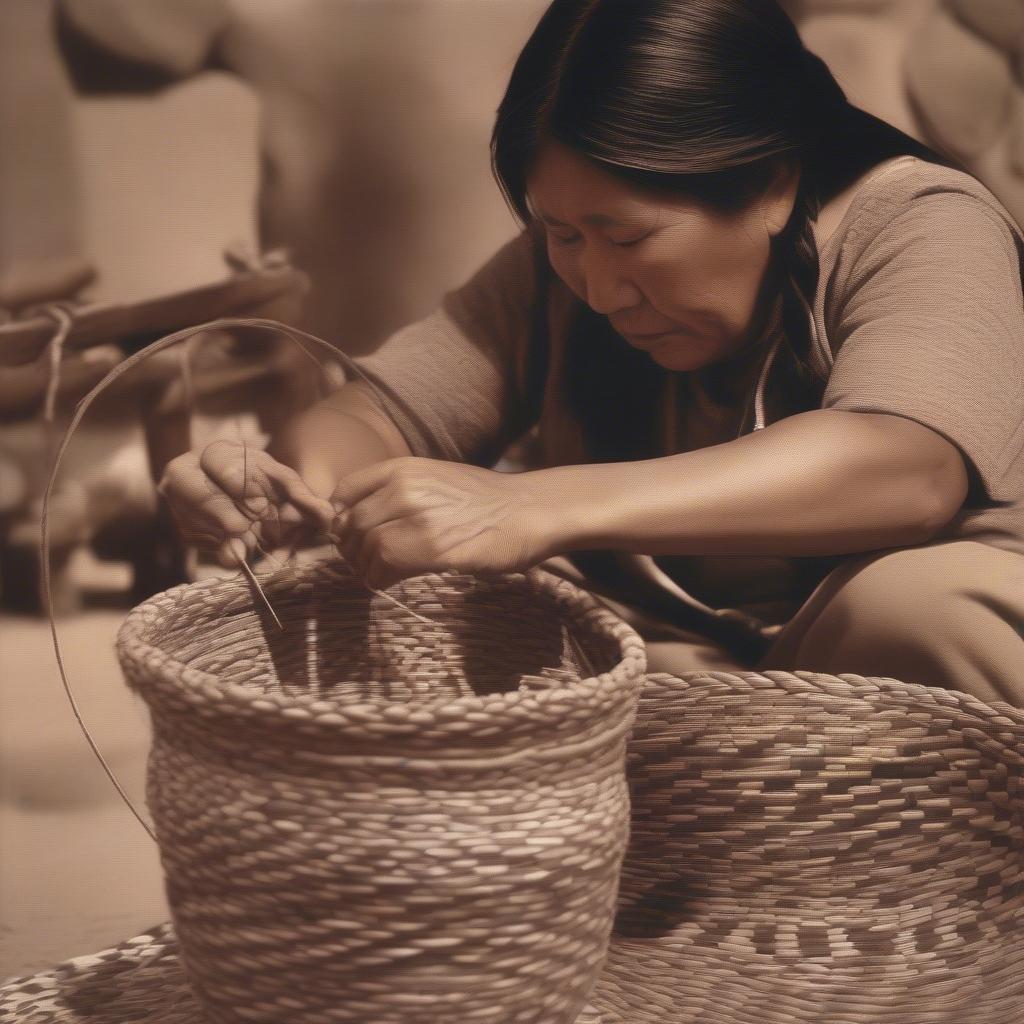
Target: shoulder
{"type": "Point", "coordinates": [913, 192]}
{"type": "Point", "coordinates": [917, 215]}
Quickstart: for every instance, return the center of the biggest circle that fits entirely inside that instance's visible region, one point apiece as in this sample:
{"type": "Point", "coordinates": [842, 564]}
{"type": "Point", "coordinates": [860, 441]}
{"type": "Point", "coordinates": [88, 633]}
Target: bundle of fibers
{"type": "Point", "coordinates": [370, 815]}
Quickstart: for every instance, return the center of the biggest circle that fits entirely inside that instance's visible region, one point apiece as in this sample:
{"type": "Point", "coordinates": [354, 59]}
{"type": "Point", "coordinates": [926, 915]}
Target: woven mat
{"type": "Point", "coordinates": [804, 848]}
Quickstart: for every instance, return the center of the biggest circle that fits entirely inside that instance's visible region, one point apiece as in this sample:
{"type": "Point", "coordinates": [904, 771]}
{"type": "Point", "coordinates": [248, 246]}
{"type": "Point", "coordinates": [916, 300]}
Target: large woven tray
{"type": "Point", "coordinates": [805, 848]}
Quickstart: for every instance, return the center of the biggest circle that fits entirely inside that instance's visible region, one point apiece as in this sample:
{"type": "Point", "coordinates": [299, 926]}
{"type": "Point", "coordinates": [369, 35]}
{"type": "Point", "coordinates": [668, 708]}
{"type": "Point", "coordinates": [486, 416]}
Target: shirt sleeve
{"type": "Point", "coordinates": [453, 383]}
{"type": "Point", "coordinates": [932, 328]}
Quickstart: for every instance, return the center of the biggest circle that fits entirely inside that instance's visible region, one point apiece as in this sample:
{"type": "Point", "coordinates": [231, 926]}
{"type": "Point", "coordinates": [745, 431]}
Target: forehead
{"type": "Point", "coordinates": [562, 182]}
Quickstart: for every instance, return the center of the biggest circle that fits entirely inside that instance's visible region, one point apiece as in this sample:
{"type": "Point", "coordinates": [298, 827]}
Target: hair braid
{"type": "Point", "coordinates": [700, 100]}
{"type": "Point", "coordinates": [795, 373]}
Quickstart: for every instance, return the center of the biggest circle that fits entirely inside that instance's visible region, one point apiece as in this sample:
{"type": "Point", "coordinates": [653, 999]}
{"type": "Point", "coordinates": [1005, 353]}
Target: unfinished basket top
{"type": "Point", "coordinates": [501, 653]}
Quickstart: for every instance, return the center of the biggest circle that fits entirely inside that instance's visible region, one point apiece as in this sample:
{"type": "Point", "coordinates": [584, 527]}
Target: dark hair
{"type": "Point", "coordinates": [694, 97]}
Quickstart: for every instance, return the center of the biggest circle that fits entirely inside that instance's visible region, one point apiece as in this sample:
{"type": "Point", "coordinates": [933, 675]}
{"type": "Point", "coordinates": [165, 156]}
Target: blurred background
{"type": "Point", "coordinates": [320, 162]}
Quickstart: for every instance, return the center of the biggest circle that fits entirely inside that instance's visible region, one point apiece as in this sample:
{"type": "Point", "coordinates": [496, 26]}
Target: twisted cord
{"type": "Point", "coordinates": [56, 351]}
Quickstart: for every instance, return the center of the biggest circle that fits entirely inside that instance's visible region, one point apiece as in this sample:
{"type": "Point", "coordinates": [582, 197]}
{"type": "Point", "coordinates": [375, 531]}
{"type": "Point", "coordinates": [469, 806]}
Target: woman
{"type": "Point", "coordinates": [772, 348]}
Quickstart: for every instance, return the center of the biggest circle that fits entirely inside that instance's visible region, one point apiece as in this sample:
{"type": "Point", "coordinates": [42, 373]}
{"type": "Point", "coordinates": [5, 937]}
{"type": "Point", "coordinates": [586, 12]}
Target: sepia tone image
{"type": "Point", "coordinates": [512, 511]}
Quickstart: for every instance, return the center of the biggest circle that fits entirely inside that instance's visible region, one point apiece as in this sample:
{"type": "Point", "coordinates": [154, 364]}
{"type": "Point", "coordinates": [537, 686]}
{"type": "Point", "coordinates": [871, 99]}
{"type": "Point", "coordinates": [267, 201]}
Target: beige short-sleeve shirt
{"type": "Point", "coordinates": [919, 312]}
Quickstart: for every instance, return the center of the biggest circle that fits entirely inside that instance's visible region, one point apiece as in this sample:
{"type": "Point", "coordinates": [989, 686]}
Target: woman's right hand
{"type": "Point", "coordinates": [228, 498]}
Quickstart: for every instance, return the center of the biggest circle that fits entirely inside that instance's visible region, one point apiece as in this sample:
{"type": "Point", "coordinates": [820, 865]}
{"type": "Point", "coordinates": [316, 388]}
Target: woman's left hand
{"type": "Point", "coordinates": [407, 516]}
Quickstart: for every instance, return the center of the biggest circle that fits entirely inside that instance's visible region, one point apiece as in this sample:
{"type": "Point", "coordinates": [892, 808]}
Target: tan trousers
{"type": "Point", "coordinates": [948, 614]}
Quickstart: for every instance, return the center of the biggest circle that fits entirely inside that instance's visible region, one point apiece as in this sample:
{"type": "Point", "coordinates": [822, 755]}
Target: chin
{"type": "Point", "coordinates": [678, 358]}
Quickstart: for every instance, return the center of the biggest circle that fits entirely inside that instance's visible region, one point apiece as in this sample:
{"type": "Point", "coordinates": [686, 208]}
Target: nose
{"type": "Point", "coordinates": [606, 289]}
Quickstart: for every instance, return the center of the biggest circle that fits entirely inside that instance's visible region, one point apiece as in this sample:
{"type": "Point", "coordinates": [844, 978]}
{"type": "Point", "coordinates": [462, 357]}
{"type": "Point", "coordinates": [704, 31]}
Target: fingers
{"type": "Point", "coordinates": [264, 487]}
{"type": "Point", "coordinates": [363, 482]}
{"type": "Point", "coordinates": [355, 532]}
{"type": "Point", "coordinates": [370, 513]}
{"type": "Point", "coordinates": [350, 541]}
{"type": "Point", "coordinates": [361, 554]}
{"type": "Point", "coordinates": [300, 499]}
{"type": "Point", "coordinates": [371, 505]}
{"type": "Point", "coordinates": [372, 497]}
{"type": "Point", "coordinates": [233, 552]}
{"type": "Point", "coordinates": [199, 503]}
{"type": "Point", "coordinates": [228, 499]}
{"type": "Point", "coordinates": [285, 524]}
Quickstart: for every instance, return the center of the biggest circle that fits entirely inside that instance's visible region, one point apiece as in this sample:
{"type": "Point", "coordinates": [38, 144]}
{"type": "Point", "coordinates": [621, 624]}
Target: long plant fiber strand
{"type": "Point", "coordinates": [274, 327]}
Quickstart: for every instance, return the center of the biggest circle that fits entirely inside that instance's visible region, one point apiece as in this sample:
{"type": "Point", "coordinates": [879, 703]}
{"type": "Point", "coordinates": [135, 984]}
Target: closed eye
{"type": "Point", "coordinates": [573, 239]}
{"type": "Point", "coordinates": [632, 241]}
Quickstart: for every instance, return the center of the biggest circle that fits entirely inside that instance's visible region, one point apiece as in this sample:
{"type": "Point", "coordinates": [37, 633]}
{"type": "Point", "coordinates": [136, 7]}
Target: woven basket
{"type": "Point", "coordinates": [813, 849]}
{"type": "Point", "coordinates": [367, 818]}
{"type": "Point", "coordinates": [804, 848]}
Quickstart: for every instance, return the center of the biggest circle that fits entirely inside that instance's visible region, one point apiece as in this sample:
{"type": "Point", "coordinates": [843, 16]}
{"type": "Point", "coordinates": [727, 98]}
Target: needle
{"type": "Point", "coordinates": [259, 590]}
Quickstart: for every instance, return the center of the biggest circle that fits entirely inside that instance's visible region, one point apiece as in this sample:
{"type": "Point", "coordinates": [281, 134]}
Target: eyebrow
{"type": "Point", "coordinates": [600, 220]}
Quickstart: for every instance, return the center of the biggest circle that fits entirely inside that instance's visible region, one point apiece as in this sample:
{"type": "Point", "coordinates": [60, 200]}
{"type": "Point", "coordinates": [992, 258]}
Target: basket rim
{"type": "Point", "coordinates": [575, 604]}
{"type": "Point", "coordinates": [852, 686]}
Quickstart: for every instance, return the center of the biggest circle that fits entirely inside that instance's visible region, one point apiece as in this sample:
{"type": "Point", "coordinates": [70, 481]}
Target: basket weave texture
{"type": "Point", "coordinates": [363, 817]}
{"type": "Point", "coordinates": [816, 849]}
{"type": "Point", "coordinates": [804, 848]}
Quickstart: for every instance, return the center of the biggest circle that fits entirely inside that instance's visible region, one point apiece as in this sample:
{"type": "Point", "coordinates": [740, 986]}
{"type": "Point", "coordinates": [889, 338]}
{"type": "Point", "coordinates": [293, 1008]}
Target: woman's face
{"type": "Point", "coordinates": [674, 278]}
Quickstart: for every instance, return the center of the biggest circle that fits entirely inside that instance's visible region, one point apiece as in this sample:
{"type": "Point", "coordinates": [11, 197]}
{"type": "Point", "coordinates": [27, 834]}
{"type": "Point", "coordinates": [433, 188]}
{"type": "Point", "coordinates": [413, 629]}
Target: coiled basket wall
{"type": "Point", "coordinates": [803, 848]}
{"type": "Point", "coordinates": [366, 818]}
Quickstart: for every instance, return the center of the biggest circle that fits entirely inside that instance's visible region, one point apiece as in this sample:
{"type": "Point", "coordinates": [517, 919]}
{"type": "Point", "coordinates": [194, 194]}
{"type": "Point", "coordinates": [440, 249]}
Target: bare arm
{"type": "Point", "coordinates": [344, 432]}
{"type": "Point", "coordinates": [450, 397]}
{"type": "Point", "coordinates": [817, 483]}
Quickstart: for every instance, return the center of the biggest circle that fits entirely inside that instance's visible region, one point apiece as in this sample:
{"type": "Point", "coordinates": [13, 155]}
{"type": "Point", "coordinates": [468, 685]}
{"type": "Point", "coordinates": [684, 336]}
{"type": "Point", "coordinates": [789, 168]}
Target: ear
{"type": "Point", "coordinates": [780, 197]}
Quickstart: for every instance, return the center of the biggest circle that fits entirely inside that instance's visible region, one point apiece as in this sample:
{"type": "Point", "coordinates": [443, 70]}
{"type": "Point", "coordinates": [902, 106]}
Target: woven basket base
{"type": "Point", "coordinates": [903, 906]}
{"type": "Point", "coordinates": [139, 981]}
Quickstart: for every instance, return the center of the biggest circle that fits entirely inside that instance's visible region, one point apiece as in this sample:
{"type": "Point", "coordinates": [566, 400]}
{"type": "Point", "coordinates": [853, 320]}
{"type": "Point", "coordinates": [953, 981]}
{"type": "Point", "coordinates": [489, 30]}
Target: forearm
{"type": "Point", "coordinates": [340, 434]}
{"type": "Point", "coordinates": [816, 483]}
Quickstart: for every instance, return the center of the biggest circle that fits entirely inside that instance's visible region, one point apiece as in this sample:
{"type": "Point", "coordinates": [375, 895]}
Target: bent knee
{"type": "Point", "coordinates": [937, 616]}
{"type": "Point", "coordinates": [900, 594]}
